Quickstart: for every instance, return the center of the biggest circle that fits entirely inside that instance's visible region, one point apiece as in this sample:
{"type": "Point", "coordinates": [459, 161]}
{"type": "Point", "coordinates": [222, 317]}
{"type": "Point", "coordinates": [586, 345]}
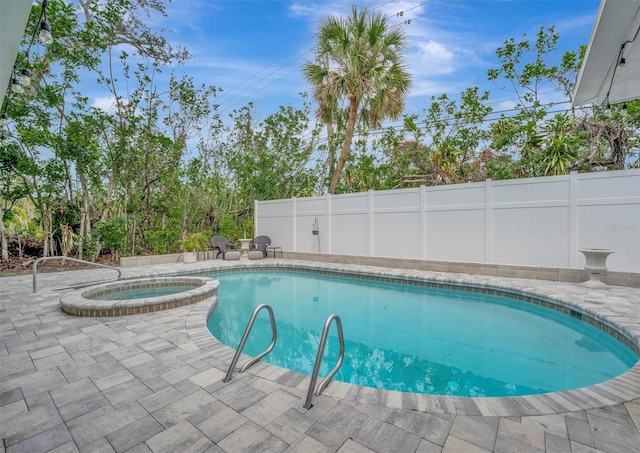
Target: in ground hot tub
{"type": "Point", "coordinates": [145, 295]}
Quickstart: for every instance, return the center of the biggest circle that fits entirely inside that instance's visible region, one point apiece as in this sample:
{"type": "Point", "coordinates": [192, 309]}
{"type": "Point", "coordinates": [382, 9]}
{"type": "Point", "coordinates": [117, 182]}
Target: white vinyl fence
{"type": "Point", "coordinates": [530, 222]}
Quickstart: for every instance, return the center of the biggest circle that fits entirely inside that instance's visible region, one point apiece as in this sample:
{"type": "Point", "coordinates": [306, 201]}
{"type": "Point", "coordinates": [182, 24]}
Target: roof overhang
{"type": "Point", "coordinates": [615, 35]}
{"type": "Point", "coordinates": [14, 15]}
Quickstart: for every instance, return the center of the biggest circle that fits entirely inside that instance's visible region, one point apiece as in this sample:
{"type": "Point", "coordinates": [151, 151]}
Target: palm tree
{"type": "Point", "coordinates": [360, 66]}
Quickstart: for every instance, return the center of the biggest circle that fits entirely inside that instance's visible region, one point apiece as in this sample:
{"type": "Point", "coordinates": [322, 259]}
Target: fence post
{"type": "Point", "coordinates": [329, 228]}
{"type": "Point", "coordinates": [423, 222]}
{"type": "Point", "coordinates": [293, 224]}
{"type": "Point", "coordinates": [488, 221]}
{"type": "Point", "coordinates": [573, 220]}
{"type": "Point", "coordinates": [370, 245]}
{"type": "Point", "coordinates": [256, 223]}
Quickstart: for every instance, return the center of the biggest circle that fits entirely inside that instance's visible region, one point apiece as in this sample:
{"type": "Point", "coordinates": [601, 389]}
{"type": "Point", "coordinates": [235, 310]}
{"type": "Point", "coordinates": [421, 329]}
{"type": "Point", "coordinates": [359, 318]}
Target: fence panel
{"type": "Point", "coordinates": [455, 222]}
{"type": "Point", "coordinates": [395, 223]}
{"type": "Point", "coordinates": [608, 213]}
{"type": "Point", "coordinates": [533, 222]}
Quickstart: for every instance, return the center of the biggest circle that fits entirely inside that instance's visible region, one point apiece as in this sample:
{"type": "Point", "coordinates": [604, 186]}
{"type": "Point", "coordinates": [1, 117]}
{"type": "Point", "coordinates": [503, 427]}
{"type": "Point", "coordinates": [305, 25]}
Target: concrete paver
{"type": "Point", "coordinates": [478, 431]}
{"type": "Point", "coordinates": [152, 383]}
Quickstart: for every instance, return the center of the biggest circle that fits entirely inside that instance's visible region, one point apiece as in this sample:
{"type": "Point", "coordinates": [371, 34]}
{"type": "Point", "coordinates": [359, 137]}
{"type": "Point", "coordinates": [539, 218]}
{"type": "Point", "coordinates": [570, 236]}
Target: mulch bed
{"type": "Point", "coordinates": [31, 249]}
{"type": "Point", "coordinates": [22, 266]}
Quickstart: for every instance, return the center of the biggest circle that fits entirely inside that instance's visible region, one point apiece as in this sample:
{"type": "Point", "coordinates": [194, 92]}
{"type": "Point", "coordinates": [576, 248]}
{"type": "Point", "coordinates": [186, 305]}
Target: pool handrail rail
{"type": "Point", "coordinates": [47, 258]}
{"type": "Point", "coordinates": [316, 366]}
{"type": "Point", "coordinates": [243, 340]}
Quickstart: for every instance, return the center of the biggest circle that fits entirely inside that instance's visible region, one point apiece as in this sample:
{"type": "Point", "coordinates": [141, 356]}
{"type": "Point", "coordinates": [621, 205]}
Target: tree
{"type": "Point", "coordinates": [361, 65]}
{"type": "Point", "coordinates": [268, 159]}
{"type": "Point", "coordinates": [74, 158]}
{"type": "Point", "coordinates": [526, 77]}
{"type": "Point", "coordinates": [442, 147]}
{"type": "Point", "coordinates": [612, 137]}
{"type": "Point", "coordinates": [527, 68]}
{"type": "Point", "coordinates": [560, 144]}
{"type": "Point", "coordinates": [457, 132]}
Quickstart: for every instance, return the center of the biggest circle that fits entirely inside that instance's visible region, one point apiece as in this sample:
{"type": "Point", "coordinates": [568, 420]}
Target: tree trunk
{"type": "Point", "coordinates": [46, 229]}
{"type": "Point", "coordinates": [346, 145]}
{"type": "Point", "coordinates": [105, 210]}
{"type": "Point", "coordinates": [107, 199]}
{"type": "Point", "coordinates": [4, 235]}
{"type": "Point", "coordinates": [85, 216]}
{"type": "Point", "coordinates": [330, 156]}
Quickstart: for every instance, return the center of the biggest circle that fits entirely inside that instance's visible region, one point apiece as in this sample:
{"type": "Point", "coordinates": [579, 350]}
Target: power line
{"type": "Point", "coordinates": [380, 6]}
{"type": "Point", "coordinates": [265, 86]}
{"type": "Point", "coordinates": [297, 57]}
{"type": "Point", "coordinates": [401, 13]}
{"type": "Point", "coordinates": [263, 69]}
{"type": "Point", "coordinates": [226, 93]}
{"type": "Point", "coordinates": [381, 130]}
{"type": "Point", "coordinates": [487, 119]}
{"type": "Point", "coordinates": [408, 21]}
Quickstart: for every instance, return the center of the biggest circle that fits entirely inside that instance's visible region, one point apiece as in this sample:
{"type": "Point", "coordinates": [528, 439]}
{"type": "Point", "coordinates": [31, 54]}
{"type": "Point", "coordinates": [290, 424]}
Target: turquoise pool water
{"type": "Point", "coordinates": [417, 339]}
{"type": "Point", "coordinates": [142, 293]}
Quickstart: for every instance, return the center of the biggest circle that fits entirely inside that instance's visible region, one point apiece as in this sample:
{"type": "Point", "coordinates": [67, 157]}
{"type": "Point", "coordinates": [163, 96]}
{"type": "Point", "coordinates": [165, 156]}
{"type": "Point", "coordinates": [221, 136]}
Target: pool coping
{"type": "Point", "coordinates": [584, 299]}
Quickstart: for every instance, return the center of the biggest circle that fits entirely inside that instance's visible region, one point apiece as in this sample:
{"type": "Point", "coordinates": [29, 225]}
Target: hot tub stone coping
{"type": "Point", "coordinates": [75, 302]}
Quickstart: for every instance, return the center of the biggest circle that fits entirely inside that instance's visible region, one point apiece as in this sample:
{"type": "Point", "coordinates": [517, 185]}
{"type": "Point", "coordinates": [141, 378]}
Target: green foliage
{"type": "Point", "coordinates": [444, 143]}
{"type": "Point", "coordinates": [560, 145]}
{"type": "Point", "coordinates": [268, 160]}
{"type": "Point", "coordinates": [64, 213]}
{"type": "Point", "coordinates": [457, 131]}
{"type": "Point", "coordinates": [525, 71]}
{"type": "Point", "coordinates": [363, 172]}
{"type": "Point", "coordinates": [159, 164]}
{"type": "Point", "coordinates": [112, 233]}
{"type": "Point", "coordinates": [499, 167]}
{"type": "Point", "coordinates": [162, 240]}
{"type": "Point", "coordinates": [89, 246]}
{"type": "Point", "coordinates": [20, 218]}
{"type": "Point", "coordinates": [361, 66]}
{"type": "Point", "coordinates": [230, 229]}
{"type": "Point", "coordinates": [524, 76]}
{"type": "Point", "coordinates": [194, 242]}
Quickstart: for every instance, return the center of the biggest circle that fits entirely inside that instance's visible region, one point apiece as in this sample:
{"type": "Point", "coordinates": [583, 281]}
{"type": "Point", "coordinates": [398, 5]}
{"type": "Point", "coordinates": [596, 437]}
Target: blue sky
{"type": "Point", "coordinates": [254, 49]}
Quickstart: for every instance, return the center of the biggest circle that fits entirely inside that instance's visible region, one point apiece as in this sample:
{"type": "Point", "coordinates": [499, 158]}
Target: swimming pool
{"type": "Point", "coordinates": [422, 342]}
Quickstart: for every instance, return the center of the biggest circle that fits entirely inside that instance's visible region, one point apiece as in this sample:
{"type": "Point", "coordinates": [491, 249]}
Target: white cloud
{"type": "Point", "coordinates": [106, 103]}
{"type": "Point", "coordinates": [313, 12]}
{"type": "Point", "coordinates": [425, 88]}
{"type": "Point", "coordinates": [433, 58]}
{"type": "Point", "coordinates": [506, 104]}
{"type": "Point", "coordinates": [569, 24]}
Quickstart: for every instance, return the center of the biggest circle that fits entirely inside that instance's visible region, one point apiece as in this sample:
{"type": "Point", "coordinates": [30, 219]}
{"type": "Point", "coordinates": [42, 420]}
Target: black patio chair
{"type": "Point", "coordinates": [261, 243]}
{"type": "Point", "coordinates": [221, 244]}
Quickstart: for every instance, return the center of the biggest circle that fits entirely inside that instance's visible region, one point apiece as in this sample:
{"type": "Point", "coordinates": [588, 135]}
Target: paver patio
{"type": "Point", "coordinates": [153, 383]}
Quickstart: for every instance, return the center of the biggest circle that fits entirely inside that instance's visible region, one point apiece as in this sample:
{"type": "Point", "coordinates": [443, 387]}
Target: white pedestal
{"type": "Point", "coordinates": [244, 246]}
{"type": "Point", "coordinates": [596, 265]}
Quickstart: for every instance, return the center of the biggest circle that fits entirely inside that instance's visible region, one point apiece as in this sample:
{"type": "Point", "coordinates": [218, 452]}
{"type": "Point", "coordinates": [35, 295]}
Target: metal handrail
{"type": "Point", "coordinates": [47, 258]}
{"type": "Point", "coordinates": [247, 330]}
{"type": "Point", "coordinates": [316, 366]}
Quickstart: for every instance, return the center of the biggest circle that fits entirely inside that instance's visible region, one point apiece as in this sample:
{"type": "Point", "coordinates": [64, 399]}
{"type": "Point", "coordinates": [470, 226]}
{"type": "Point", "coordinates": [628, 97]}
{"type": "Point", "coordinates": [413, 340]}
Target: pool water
{"type": "Point", "coordinates": [142, 292]}
{"type": "Point", "coordinates": [417, 339]}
